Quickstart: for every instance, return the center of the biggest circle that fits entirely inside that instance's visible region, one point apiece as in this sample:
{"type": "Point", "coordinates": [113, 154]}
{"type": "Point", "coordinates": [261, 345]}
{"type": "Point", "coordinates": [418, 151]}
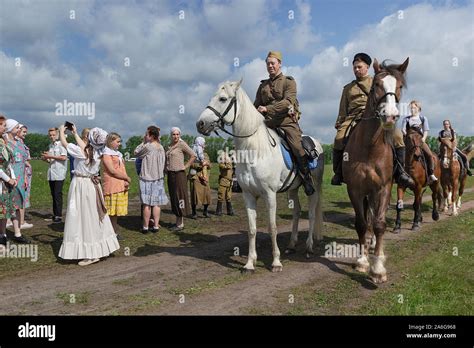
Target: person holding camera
{"type": "Point", "coordinates": [88, 231]}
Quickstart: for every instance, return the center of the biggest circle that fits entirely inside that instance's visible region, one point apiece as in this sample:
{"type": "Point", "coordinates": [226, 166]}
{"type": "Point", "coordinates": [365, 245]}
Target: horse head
{"type": "Point", "coordinates": [446, 152]}
{"type": "Point", "coordinates": [221, 110]}
{"type": "Point", "coordinates": [386, 91]}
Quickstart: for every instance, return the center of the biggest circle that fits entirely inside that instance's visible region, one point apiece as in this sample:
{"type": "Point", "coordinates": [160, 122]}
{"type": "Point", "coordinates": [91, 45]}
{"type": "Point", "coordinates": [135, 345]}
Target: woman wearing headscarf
{"type": "Point", "coordinates": [7, 182]}
{"type": "Point", "coordinates": [22, 131]}
{"type": "Point", "coordinates": [176, 170]}
{"type": "Point", "coordinates": [88, 231]}
{"type": "Point", "coordinates": [20, 156]}
{"type": "Point", "coordinates": [199, 179]}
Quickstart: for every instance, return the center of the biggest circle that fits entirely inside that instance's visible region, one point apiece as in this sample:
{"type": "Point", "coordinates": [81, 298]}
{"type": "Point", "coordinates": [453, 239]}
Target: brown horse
{"type": "Point", "coordinates": [453, 179]}
{"type": "Point", "coordinates": [368, 164]}
{"type": "Point", "coordinates": [415, 165]}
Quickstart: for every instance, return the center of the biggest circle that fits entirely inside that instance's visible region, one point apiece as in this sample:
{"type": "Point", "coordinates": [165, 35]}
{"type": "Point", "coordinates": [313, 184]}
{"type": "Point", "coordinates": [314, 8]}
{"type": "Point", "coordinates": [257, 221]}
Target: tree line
{"type": "Point", "coordinates": [39, 143]}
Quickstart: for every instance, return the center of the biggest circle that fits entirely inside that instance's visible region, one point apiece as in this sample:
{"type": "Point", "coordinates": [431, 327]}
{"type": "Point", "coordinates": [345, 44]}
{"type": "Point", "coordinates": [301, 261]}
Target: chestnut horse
{"type": "Point", "coordinates": [415, 166]}
{"type": "Point", "coordinates": [368, 164]}
{"type": "Point", "coordinates": [453, 179]}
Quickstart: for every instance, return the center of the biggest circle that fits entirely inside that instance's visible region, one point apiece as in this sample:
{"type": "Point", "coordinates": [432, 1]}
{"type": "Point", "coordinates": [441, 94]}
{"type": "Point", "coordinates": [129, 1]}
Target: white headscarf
{"type": "Point", "coordinates": [11, 124]}
{"type": "Point", "coordinates": [97, 138]}
{"type": "Point", "coordinates": [198, 148]}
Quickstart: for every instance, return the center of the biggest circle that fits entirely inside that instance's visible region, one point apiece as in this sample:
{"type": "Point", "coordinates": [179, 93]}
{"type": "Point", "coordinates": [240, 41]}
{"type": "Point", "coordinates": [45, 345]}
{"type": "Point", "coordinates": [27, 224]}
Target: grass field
{"type": "Point", "coordinates": [427, 279]}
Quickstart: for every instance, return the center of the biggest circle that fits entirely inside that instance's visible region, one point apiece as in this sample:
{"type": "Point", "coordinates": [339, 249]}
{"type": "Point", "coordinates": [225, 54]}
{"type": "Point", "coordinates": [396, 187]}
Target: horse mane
{"type": "Point", "coordinates": [250, 120]}
{"type": "Point", "coordinates": [392, 69]}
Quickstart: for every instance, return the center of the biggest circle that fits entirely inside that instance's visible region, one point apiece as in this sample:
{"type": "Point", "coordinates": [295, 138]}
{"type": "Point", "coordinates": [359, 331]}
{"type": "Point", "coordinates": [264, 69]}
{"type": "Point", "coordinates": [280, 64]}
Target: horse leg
{"type": "Point", "coordinates": [417, 208]}
{"type": "Point", "coordinates": [398, 222]}
{"type": "Point", "coordinates": [294, 200]}
{"type": "Point", "coordinates": [362, 263]}
{"type": "Point", "coordinates": [461, 190]}
{"type": "Point", "coordinates": [272, 228]}
{"type": "Point", "coordinates": [378, 273]}
{"type": "Point", "coordinates": [251, 206]}
{"type": "Point", "coordinates": [315, 216]}
{"type": "Point", "coordinates": [435, 188]}
{"type": "Point", "coordinates": [455, 194]}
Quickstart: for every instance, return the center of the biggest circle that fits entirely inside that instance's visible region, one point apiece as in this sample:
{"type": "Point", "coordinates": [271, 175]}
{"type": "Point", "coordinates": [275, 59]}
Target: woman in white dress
{"type": "Point", "coordinates": [88, 231]}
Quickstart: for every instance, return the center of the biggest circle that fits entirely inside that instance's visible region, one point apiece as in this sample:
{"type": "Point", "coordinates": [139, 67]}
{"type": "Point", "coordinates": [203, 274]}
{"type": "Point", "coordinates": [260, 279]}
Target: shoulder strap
{"type": "Point", "coordinates": [361, 88]}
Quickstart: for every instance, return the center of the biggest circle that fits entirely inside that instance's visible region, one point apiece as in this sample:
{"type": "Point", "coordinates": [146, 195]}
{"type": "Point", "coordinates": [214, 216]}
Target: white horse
{"type": "Point", "coordinates": [264, 173]}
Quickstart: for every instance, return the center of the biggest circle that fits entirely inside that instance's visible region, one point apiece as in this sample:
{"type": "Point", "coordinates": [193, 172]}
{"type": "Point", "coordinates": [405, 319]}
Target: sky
{"type": "Point", "coordinates": [140, 63]}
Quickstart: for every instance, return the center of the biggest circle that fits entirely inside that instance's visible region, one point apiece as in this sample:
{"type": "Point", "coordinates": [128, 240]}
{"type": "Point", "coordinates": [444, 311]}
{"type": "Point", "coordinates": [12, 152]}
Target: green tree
{"type": "Point", "coordinates": [38, 143]}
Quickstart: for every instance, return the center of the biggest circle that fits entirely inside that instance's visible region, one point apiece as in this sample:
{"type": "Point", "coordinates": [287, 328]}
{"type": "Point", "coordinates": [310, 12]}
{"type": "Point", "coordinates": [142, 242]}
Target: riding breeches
{"type": "Point", "coordinates": [428, 157]}
{"type": "Point", "coordinates": [398, 138]}
{"type": "Point", "coordinates": [293, 136]}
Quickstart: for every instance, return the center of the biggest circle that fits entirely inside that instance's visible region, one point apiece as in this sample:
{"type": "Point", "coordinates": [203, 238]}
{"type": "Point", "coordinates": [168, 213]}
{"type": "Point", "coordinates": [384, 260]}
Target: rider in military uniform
{"type": "Point", "coordinates": [276, 101]}
{"type": "Point", "coordinates": [351, 108]}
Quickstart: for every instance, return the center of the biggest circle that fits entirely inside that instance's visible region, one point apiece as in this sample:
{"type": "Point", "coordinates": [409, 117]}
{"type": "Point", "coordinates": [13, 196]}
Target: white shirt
{"type": "Point", "coordinates": [80, 166]}
{"type": "Point", "coordinates": [57, 169]}
{"type": "Point", "coordinates": [414, 121]}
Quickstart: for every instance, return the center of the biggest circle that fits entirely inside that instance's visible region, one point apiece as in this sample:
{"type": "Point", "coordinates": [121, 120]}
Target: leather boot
{"type": "Point", "coordinates": [230, 210]}
{"type": "Point", "coordinates": [219, 208]}
{"type": "Point", "coordinates": [205, 212]}
{"type": "Point", "coordinates": [307, 179]}
{"type": "Point", "coordinates": [193, 215]}
{"type": "Point", "coordinates": [337, 167]}
{"type": "Point", "coordinates": [401, 176]}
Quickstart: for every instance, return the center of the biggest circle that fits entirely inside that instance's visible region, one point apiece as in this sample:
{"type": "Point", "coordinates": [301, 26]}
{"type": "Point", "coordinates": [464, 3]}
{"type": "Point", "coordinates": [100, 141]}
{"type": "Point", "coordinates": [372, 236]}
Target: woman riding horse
{"type": "Point", "coordinates": [449, 133]}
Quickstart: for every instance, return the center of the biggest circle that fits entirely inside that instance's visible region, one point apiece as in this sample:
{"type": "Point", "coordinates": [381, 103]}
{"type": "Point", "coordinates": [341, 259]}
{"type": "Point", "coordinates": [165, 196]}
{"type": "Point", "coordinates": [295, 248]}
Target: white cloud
{"type": "Point", "coordinates": [180, 62]}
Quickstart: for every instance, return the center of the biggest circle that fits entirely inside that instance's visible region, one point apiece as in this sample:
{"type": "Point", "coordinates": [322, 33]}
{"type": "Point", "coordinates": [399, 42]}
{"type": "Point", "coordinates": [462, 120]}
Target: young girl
{"type": "Point", "coordinates": [21, 135]}
{"type": "Point", "coordinates": [449, 132]}
{"type": "Point", "coordinates": [88, 232]}
{"type": "Point", "coordinates": [116, 180]}
{"type": "Point", "coordinates": [152, 190]}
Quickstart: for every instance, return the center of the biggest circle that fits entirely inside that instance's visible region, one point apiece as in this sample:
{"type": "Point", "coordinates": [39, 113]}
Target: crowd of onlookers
{"type": "Point", "coordinates": [95, 200]}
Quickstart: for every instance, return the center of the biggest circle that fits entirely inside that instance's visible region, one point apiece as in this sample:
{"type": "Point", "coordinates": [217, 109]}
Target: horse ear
{"type": "Point", "coordinates": [402, 68]}
{"type": "Point", "coordinates": [376, 66]}
{"type": "Point", "coordinates": [237, 86]}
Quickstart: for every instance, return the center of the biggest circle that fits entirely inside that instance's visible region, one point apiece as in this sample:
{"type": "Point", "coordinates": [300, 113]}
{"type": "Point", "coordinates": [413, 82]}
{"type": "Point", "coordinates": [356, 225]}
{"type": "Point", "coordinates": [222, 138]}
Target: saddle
{"type": "Point", "coordinates": [311, 150]}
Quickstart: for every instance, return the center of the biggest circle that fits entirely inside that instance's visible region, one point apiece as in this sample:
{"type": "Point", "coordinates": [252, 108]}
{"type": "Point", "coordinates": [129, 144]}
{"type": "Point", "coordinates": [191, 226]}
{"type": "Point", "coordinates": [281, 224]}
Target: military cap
{"type": "Point", "coordinates": [363, 57]}
{"type": "Point", "coordinates": [275, 54]}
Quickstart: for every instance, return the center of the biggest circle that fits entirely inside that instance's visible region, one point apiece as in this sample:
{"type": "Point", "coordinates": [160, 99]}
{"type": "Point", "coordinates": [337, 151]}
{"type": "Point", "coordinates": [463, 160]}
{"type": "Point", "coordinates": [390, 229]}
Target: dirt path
{"type": "Point", "coordinates": [199, 278]}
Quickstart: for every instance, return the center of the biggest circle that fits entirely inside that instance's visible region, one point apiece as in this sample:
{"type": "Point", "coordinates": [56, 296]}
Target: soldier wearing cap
{"type": "Point", "coordinates": [276, 101]}
{"type": "Point", "coordinates": [351, 108]}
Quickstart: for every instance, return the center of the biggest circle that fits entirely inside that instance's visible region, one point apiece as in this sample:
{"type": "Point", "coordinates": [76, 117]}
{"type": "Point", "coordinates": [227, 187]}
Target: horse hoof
{"type": "Point", "coordinates": [415, 228]}
{"type": "Point", "coordinates": [290, 251]}
{"type": "Point", "coordinates": [378, 278]}
{"type": "Point", "coordinates": [397, 230]}
{"type": "Point", "coordinates": [244, 270]}
{"type": "Point", "coordinates": [309, 254]}
{"type": "Point", "coordinates": [435, 215]}
{"type": "Point", "coordinates": [277, 269]}
{"type": "Point", "coordinates": [362, 268]}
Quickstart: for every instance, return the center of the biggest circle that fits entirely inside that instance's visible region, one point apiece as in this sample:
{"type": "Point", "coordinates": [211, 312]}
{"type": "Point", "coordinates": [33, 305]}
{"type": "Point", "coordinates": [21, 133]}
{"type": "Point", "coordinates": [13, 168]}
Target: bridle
{"type": "Point", "coordinates": [221, 122]}
{"type": "Point", "coordinates": [378, 101]}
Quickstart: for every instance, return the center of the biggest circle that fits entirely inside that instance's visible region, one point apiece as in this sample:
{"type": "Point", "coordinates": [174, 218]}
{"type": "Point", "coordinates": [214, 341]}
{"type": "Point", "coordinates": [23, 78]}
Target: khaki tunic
{"type": "Point", "coordinates": [200, 194]}
{"type": "Point", "coordinates": [352, 106]}
{"type": "Point", "coordinates": [224, 192]}
{"type": "Point", "coordinates": [278, 95]}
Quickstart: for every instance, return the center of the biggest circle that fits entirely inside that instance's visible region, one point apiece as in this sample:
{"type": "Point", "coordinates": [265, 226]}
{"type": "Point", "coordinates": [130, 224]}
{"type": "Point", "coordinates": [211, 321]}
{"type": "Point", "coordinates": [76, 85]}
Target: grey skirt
{"type": "Point", "coordinates": [153, 192]}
